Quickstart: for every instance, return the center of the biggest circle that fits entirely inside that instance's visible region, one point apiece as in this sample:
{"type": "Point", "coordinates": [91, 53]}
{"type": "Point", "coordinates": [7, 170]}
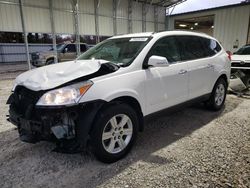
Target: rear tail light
{"type": "Point", "coordinates": [229, 55]}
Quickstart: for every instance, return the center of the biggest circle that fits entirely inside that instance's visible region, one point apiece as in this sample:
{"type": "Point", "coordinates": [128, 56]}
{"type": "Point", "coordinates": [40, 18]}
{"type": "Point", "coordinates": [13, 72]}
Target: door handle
{"type": "Point", "coordinates": [210, 66]}
{"type": "Point", "coordinates": [182, 71]}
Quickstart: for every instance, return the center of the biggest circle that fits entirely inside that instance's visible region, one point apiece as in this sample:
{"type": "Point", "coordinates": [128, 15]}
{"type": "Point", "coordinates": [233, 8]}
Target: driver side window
{"type": "Point", "coordinates": [71, 48]}
{"type": "Point", "coordinates": [166, 47]}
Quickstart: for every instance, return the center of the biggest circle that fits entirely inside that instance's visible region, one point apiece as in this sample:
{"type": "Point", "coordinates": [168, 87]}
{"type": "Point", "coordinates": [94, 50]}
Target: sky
{"type": "Point", "coordinates": [193, 5]}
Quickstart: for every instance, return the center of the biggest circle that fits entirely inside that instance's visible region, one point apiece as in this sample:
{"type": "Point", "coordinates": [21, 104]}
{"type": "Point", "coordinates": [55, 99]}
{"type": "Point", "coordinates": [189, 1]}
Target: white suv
{"type": "Point", "coordinates": [102, 98]}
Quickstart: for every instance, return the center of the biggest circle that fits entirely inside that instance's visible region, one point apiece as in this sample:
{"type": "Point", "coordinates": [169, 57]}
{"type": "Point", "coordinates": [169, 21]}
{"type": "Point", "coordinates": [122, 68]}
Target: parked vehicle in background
{"type": "Point", "coordinates": [65, 52]}
{"type": "Point", "coordinates": [241, 65]}
{"type": "Point", "coordinates": [102, 98]}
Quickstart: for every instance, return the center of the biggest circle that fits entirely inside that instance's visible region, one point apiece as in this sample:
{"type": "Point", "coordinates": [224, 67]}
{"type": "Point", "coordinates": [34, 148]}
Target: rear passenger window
{"type": "Point", "coordinates": [191, 47]}
{"type": "Point", "coordinates": [166, 47]}
{"type": "Point", "coordinates": [211, 46]}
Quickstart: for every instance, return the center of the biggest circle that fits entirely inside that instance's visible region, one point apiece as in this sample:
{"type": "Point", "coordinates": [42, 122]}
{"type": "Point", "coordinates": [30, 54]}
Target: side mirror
{"type": "Point", "coordinates": [65, 50]}
{"type": "Point", "coordinates": [158, 61]}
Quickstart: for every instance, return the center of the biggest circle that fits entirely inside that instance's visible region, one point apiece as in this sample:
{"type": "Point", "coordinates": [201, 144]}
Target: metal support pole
{"type": "Point", "coordinates": [53, 29]}
{"type": "Point", "coordinates": [156, 18]}
{"type": "Point", "coordinates": [96, 5]}
{"type": "Point", "coordinates": [114, 17]}
{"type": "Point", "coordinates": [129, 16]}
{"type": "Point", "coordinates": [2, 52]}
{"type": "Point", "coordinates": [144, 17]}
{"type": "Point", "coordinates": [167, 18]}
{"type": "Point", "coordinates": [76, 25]}
{"type": "Point", "coordinates": [25, 34]}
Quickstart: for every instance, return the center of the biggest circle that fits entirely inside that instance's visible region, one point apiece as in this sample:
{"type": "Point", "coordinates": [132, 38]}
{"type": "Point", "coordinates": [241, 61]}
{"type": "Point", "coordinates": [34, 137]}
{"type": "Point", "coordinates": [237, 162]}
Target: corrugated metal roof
{"type": "Point", "coordinates": [164, 3]}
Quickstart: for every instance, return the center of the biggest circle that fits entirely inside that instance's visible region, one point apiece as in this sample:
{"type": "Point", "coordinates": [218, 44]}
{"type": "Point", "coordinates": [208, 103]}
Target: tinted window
{"type": "Point", "coordinates": [166, 47]}
{"type": "Point", "coordinates": [190, 47]}
{"type": "Point", "coordinates": [211, 47]}
{"type": "Point", "coordinates": [71, 48]}
{"type": "Point", "coordinates": [83, 48]}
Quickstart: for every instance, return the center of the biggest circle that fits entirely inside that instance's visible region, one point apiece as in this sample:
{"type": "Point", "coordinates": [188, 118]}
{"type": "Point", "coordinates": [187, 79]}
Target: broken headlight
{"type": "Point", "coordinates": [68, 95]}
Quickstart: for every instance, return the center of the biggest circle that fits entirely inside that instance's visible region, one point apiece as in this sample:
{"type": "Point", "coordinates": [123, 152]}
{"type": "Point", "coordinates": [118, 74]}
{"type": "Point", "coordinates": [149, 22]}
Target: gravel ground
{"type": "Point", "coordinates": [189, 148]}
{"type": "Point", "coordinates": [11, 70]}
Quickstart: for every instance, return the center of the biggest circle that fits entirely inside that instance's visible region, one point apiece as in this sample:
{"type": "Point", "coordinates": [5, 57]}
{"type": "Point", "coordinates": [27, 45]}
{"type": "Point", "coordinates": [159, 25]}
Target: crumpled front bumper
{"type": "Point", "coordinates": [69, 127]}
{"type": "Point", "coordinates": [42, 123]}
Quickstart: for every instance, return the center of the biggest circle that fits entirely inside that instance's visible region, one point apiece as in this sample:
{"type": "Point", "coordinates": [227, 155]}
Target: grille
{"type": "Point", "coordinates": [34, 56]}
{"type": "Point", "coordinates": [238, 64]}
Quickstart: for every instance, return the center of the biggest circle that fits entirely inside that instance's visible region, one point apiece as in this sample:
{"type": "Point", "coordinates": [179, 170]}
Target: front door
{"type": "Point", "coordinates": [166, 86]}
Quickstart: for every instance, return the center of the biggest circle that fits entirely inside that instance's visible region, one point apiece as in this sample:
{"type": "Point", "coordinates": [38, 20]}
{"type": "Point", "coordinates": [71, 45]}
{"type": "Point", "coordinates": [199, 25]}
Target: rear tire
{"type": "Point", "coordinates": [114, 132]}
{"type": "Point", "coordinates": [218, 95]}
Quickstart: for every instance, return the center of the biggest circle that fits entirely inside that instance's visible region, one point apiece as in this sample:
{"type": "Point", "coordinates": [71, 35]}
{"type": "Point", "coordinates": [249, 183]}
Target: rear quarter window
{"type": "Point", "coordinates": [211, 46]}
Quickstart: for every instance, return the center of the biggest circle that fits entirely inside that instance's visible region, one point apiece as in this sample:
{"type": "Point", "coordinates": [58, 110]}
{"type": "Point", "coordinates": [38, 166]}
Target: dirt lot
{"type": "Point", "coordinates": [190, 148]}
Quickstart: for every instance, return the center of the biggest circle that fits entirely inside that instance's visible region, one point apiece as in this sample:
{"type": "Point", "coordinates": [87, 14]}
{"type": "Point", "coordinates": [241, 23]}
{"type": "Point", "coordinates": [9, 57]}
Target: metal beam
{"type": "Point", "coordinates": [156, 11]}
{"type": "Point", "coordinates": [167, 18]}
{"type": "Point", "coordinates": [76, 25]}
{"type": "Point", "coordinates": [115, 17]}
{"type": "Point", "coordinates": [130, 16]}
{"type": "Point", "coordinates": [25, 33]}
{"type": "Point", "coordinates": [162, 3]}
{"type": "Point", "coordinates": [144, 12]}
{"type": "Point", "coordinates": [53, 28]}
{"type": "Point", "coordinates": [96, 7]}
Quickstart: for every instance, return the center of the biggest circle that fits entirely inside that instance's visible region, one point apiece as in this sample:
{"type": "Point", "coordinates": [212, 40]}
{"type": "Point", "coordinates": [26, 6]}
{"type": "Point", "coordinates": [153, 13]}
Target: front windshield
{"type": "Point", "coordinates": [245, 50]}
{"type": "Point", "coordinates": [121, 51]}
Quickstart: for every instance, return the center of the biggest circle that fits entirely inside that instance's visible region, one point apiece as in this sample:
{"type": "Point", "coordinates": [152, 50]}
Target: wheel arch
{"type": "Point", "coordinates": [132, 102]}
{"type": "Point", "coordinates": [50, 58]}
{"type": "Point", "coordinates": [224, 76]}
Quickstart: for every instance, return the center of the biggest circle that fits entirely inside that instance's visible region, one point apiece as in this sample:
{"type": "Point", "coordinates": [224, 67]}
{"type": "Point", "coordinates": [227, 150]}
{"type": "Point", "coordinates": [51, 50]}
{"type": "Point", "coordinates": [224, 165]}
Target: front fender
{"type": "Point", "coordinates": [113, 95]}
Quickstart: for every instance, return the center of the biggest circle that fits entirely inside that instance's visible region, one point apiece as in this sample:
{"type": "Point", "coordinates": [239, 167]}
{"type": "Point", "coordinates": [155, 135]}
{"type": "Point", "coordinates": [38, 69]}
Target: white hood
{"type": "Point", "coordinates": [51, 76]}
{"type": "Point", "coordinates": [240, 57]}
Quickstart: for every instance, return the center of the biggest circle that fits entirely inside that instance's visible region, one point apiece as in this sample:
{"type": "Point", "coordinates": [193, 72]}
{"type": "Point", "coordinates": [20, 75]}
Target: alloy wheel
{"type": "Point", "coordinates": [117, 133]}
{"type": "Point", "coordinates": [219, 94]}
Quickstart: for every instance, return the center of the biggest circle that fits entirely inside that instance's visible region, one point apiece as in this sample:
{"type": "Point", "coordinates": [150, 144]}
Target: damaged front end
{"type": "Point", "coordinates": [240, 80]}
{"type": "Point", "coordinates": [55, 114]}
{"type": "Point", "coordinates": [68, 126]}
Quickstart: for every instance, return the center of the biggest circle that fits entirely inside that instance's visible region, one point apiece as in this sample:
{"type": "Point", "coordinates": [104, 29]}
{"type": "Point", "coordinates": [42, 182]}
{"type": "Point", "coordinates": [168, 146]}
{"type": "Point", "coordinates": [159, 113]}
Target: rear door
{"type": "Point", "coordinates": [200, 67]}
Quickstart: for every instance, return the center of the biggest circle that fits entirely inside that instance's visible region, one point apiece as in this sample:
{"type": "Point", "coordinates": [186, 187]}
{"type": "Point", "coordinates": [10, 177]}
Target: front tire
{"type": "Point", "coordinates": [218, 95]}
{"type": "Point", "coordinates": [114, 132]}
{"type": "Point", "coordinates": [50, 62]}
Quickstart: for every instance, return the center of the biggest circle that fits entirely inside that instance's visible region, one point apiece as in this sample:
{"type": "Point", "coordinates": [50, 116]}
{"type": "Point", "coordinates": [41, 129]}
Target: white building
{"type": "Point", "coordinates": [229, 24]}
